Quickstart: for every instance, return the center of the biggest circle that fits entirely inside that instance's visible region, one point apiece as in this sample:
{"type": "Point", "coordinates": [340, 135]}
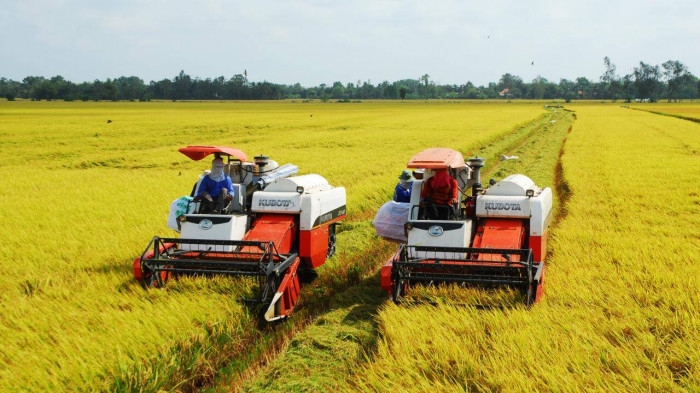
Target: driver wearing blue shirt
{"type": "Point", "coordinates": [215, 190]}
{"type": "Point", "coordinates": [402, 192]}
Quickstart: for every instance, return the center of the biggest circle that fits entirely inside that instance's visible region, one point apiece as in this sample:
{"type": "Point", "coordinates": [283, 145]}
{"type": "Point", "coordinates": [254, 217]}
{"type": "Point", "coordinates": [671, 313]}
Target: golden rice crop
{"type": "Point", "coordinates": [82, 197]}
{"type": "Point", "coordinates": [327, 355]}
{"type": "Point", "coordinates": [620, 311]}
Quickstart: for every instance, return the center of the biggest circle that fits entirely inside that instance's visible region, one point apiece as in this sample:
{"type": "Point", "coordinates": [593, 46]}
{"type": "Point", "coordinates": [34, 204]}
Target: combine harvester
{"type": "Point", "coordinates": [276, 228]}
{"type": "Point", "coordinates": [496, 237]}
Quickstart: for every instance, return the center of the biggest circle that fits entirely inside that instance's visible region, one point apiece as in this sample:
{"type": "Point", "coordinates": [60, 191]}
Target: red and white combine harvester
{"type": "Point", "coordinates": [495, 237]}
{"type": "Point", "coordinates": [276, 227]}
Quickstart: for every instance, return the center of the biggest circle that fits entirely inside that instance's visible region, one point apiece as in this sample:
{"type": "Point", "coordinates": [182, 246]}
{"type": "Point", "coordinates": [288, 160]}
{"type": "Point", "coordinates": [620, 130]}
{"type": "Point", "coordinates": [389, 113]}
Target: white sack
{"type": "Point", "coordinates": [390, 221]}
{"type": "Point", "coordinates": [179, 207]}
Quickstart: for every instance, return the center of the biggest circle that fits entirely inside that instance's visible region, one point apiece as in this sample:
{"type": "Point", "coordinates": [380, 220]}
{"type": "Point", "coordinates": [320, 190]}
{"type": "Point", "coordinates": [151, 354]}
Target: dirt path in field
{"type": "Point", "coordinates": [349, 313]}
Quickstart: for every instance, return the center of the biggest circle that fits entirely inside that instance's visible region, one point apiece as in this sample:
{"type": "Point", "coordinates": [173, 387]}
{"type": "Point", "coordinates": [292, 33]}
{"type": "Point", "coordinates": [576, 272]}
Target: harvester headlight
{"type": "Point", "coordinates": [300, 189]}
{"type": "Point", "coordinates": [530, 193]}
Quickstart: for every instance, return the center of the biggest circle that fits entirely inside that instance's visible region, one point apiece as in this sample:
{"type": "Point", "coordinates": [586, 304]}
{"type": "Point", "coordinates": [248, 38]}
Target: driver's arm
{"type": "Point", "coordinates": [229, 186]}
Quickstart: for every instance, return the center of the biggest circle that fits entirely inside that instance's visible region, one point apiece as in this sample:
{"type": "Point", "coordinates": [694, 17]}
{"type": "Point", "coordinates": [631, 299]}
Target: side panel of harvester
{"type": "Point", "coordinates": [509, 199]}
{"type": "Point", "coordinates": [541, 210]}
{"type": "Point", "coordinates": [318, 205]}
{"type": "Point", "coordinates": [319, 211]}
{"type": "Point", "coordinates": [312, 205]}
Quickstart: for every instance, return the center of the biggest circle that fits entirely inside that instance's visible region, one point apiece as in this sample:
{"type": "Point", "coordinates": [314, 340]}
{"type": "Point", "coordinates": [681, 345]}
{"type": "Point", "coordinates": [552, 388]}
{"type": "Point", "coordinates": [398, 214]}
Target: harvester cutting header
{"type": "Point", "coordinates": [463, 233]}
{"type": "Point", "coordinates": [253, 219]}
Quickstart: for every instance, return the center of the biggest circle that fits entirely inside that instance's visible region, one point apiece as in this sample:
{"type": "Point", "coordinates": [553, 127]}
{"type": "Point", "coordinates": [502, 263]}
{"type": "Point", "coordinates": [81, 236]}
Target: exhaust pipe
{"type": "Point", "coordinates": [476, 163]}
{"type": "Point", "coordinates": [260, 162]}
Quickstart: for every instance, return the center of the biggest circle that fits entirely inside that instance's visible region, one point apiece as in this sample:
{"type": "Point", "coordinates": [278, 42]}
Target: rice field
{"type": "Point", "coordinates": [343, 338]}
{"type": "Point", "coordinates": [83, 196]}
{"type": "Point", "coordinates": [620, 311]}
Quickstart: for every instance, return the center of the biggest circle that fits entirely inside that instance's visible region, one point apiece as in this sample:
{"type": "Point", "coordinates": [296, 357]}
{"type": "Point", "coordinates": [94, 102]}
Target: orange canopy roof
{"type": "Point", "coordinates": [198, 152]}
{"type": "Point", "coordinates": [437, 158]}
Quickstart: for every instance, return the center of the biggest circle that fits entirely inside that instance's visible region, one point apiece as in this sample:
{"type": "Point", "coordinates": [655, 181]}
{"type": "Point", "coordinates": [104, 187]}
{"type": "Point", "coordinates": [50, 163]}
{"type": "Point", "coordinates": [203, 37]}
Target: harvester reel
{"type": "Point", "coordinates": [147, 277]}
{"type": "Point", "coordinates": [151, 279]}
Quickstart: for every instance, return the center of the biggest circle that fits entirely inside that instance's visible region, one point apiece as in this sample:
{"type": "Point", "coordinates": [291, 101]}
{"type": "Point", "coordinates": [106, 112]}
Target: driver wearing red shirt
{"type": "Point", "coordinates": [440, 190]}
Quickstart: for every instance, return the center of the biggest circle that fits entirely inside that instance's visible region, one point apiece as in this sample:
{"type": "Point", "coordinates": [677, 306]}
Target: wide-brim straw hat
{"type": "Point", "coordinates": [406, 175]}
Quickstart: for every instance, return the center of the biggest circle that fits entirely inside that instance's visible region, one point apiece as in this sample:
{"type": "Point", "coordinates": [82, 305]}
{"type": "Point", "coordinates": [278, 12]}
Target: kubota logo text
{"type": "Point", "coordinates": [502, 206]}
{"type": "Point", "coordinates": [275, 202]}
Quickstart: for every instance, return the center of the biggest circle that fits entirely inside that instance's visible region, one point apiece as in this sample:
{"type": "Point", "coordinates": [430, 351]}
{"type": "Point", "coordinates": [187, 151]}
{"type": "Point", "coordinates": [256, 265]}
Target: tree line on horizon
{"type": "Point", "coordinates": [671, 80]}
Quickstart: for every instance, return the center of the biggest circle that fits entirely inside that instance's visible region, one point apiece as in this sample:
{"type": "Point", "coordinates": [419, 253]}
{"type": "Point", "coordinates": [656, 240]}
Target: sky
{"type": "Point", "coordinates": [317, 41]}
